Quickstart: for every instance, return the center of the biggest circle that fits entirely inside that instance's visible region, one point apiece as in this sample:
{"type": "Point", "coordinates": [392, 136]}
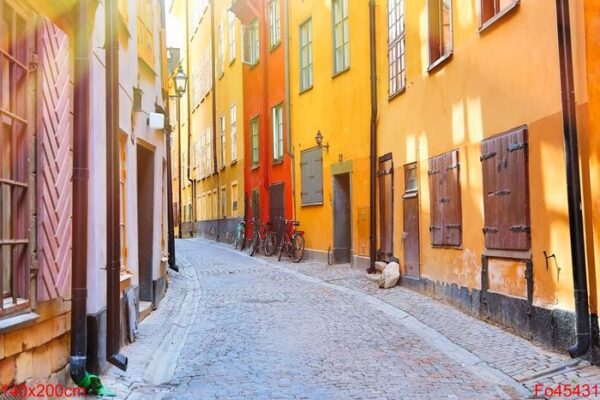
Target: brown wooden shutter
{"type": "Point", "coordinates": [452, 206]}
{"type": "Point", "coordinates": [506, 191]}
{"type": "Point", "coordinates": [436, 192]}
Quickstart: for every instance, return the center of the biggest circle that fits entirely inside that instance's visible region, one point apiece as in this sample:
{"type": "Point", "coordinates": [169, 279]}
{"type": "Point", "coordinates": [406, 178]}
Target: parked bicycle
{"type": "Point", "coordinates": [292, 241]}
{"type": "Point", "coordinates": [240, 236]}
{"type": "Point", "coordinates": [262, 237]}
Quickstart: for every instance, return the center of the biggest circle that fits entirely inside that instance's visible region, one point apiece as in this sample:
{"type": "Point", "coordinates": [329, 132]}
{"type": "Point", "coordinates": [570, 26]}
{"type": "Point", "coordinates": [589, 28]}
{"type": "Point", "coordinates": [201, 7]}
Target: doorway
{"type": "Point", "coordinates": [386, 207]}
{"type": "Point", "coordinates": [342, 238]}
{"type": "Point", "coordinates": [410, 236]}
{"type": "Point", "coordinates": [276, 208]}
{"type": "Point", "coordinates": [145, 210]}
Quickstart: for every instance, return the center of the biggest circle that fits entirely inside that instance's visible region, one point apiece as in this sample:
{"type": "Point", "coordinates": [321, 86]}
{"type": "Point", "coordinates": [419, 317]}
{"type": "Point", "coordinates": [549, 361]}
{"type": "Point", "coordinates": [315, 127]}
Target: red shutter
{"type": "Point", "coordinates": [55, 163]}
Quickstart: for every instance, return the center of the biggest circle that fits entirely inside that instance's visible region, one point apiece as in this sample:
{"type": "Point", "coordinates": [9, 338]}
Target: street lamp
{"type": "Point", "coordinates": [180, 82]}
{"type": "Point", "coordinates": [319, 140]}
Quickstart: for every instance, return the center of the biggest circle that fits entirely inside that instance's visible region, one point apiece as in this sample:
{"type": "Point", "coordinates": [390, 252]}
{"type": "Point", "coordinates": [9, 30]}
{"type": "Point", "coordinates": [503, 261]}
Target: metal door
{"type": "Point", "coordinates": [341, 218]}
{"type": "Point", "coordinates": [410, 236]}
{"type": "Point", "coordinates": [386, 211]}
{"type": "Point", "coordinates": [276, 207]}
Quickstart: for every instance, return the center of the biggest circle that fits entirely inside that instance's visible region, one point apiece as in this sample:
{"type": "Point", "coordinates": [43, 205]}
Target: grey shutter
{"type": "Point", "coordinates": [311, 171]}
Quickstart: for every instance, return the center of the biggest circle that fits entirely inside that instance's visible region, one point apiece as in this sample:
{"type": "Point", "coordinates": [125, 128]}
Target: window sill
{"type": "Point", "coordinates": [410, 194]}
{"type": "Point", "coordinates": [511, 254]}
{"type": "Point", "coordinates": [439, 62]}
{"type": "Point", "coordinates": [398, 93]}
{"type": "Point", "coordinates": [341, 72]}
{"type": "Point", "coordinates": [485, 25]}
{"type": "Point", "coordinates": [311, 204]}
{"type": "Point", "coordinates": [252, 66]}
{"type": "Point", "coordinates": [308, 89]}
{"type": "Point", "coordinates": [231, 62]}
{"type": "Point", "coordinates": [254, 167]}
{"type": "Point", "coordinates": [278, 161]}
{"type": "Point", "coordinates": [275, 46]}
{"type": "Point", "coordinates": [222, 168]}
{"type": "Point", "coordinates": [233, 162]}
{"type": "Point", "coordinates": [18, 321]}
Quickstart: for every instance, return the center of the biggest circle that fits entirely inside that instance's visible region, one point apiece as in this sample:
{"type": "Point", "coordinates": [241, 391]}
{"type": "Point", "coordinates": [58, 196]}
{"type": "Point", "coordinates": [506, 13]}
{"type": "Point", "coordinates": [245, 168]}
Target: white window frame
{"type": "Point", "coordinates": [277, 132]}
{"type": "Point", "coordinates": [233, 127]}
{"type": "Point", "coordinates": [306, 55]}
{"type": "Point", "coordinates": [341, 36]}
{"type": "Point", "coordinates": [232, 43]}
{"type": "Point", "coordinates": [274, 23]}
{"type": "Point", "coordinates": [223, 127]}
{"type": "Point", "coordinates": [220, 50]}
{"type": "Point", "coordinates": [396, 48]}
{"type": "Point", "coordinates": [255, 158]}
{"type": "Point", "coordinates": [251, 43]}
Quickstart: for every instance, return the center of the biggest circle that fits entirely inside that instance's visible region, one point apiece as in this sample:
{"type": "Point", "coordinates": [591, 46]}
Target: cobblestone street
{"type": "Point", "coordinates": [237, 327]}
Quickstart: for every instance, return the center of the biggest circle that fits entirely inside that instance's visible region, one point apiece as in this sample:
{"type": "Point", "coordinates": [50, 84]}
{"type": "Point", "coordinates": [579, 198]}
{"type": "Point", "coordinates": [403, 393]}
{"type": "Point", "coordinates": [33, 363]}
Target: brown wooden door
{"type": "Point", "coordinates": [386, 207]}
{"type": "Point", "coordinates": [410, 236]}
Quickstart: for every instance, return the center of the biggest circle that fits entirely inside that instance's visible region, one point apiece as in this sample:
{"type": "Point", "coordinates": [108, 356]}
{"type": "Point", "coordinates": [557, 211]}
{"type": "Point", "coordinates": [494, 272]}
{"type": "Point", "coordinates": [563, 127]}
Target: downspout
{"type": "Point", "coordinates": [179, 166]}
{"type": "Point", "coordinates": [81, 130]}
{"type": "Point", "coordinates": [170, 227]}
{"type": "Point", "coordinates": [565, 58]}
{"type": "Point", "coordinates": [373, 143]}
{"type": "Point", "coordinates": [214, 114]}
{"type": "Point", "coordinates": [265, 103]}
{"type": "Point", "coordinates": [288, 113]}
{"type": "Point", "coordinates": [189, 120]}
{"type": "Point", "coordinates": [113, 239]}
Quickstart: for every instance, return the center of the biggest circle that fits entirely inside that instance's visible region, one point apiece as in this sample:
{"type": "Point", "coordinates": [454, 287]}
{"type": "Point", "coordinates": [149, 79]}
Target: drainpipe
{"type": "Point", "coordinates": [81, 129]}
{"type": "Point", "coordinates": [214, 114]}
{"type": "Point", "coordinates": [113, 252]}
{"type": "Point", "coordinates": [288, 113]}
{"type": "Point", "coordinates": [171, 229]}
{"type": "Point", "coordinates": [565, 59]}
{"type": "Point", "coordinates": [373, 144]}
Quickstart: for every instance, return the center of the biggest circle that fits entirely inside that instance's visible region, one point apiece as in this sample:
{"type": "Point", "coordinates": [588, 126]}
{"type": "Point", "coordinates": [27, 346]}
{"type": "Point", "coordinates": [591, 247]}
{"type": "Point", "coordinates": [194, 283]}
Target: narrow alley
{"type": "Point", "coordinates": [232, 326]}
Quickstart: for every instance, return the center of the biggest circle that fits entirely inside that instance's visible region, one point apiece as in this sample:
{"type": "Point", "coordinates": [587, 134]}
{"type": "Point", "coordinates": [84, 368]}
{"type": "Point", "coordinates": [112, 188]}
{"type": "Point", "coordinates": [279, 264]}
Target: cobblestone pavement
{"type": "Point", "coordinates": [236, 327]}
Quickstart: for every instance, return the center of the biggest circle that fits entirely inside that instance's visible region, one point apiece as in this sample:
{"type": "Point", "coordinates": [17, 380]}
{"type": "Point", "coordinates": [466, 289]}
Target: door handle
{"type": "Point", "coordinates": [403, 236]}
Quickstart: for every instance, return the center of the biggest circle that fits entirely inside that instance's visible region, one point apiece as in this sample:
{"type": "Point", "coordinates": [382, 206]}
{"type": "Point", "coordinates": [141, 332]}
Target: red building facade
{"type": "Point", "coordinates": [267, 170]}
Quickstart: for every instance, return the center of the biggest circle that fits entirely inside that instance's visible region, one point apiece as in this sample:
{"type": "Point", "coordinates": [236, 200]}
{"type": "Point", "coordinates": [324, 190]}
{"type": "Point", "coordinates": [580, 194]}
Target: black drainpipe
{"type": "Point", "coordinates": [189, 124]}
{"type": "Point", "coordinates": [81, 101]}
{"type": "Point", "coordinates": [214, 116]}
{"type": "Point", "coordinates": [373, 151]}
{"type": "Point", "coordinates": [113, 252]}
{"type": "Point", "coordinates": [565, 58]}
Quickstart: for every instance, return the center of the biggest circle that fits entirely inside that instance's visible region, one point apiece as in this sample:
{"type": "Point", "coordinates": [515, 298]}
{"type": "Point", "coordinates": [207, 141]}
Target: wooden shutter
{"type": "Point", "coordinates": [386, 210]}
{"type": "Point", "coordinates": [55, 163]}
{"type": "Point", "coordinates": [311, 173]}
{"type": "Point", "coordinates": [445, 200]}
{"type": "Point", "coordinates": [506, 191]}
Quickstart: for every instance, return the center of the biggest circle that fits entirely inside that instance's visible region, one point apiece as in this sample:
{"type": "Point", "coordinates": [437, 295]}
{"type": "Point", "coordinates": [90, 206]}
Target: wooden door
{"type": "Point", "coordinates": [410, 236]}
{"type": "Point", "coordinates": [276, 208]}
{"type": "Point", "coordinates": [386, 207]}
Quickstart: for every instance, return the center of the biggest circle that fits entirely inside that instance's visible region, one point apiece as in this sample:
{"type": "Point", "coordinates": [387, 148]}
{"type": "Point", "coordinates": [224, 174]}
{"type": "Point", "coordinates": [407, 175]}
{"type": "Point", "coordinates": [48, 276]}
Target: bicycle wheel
{"type": "Point", "coordinates": [297, 248]}
{"type": "Point", "coordinates": [253, 245]}
{"type": "Point", "coordinates": [281, 249]}
{"type": "Point", "coordinates": [270, 244]}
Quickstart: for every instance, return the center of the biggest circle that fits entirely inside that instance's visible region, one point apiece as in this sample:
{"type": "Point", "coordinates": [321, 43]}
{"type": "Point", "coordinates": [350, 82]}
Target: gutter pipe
{"type": "Point", "coordinates": [373, 143]}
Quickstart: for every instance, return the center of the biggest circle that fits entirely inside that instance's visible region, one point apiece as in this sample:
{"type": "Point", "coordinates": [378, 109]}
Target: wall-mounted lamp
{"type": "Point", "coordinates": [319, 140]}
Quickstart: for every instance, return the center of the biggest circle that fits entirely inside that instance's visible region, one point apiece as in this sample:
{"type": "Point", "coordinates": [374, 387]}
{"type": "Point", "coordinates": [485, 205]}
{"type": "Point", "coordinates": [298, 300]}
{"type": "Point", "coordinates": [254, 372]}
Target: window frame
{"type": "Point", "coordinates": [484, 25]}
{"type": "Point", "coordinates": [443, 54]}
{"type": "Point", "coordinates": [222, 132]}
{"type": "Point", "coordinates": [274, 23]}
{"type": "Point", "coordinates": [231, 32]}
{"type": "Point", "coordinates": [255, 159]}
{"type": "Point", "coordinates": [277, 128]}
{"type": "Point", "coordinates": [233, 132]}
{"type": "Point", "coordinates": [397, 43]}
{"type": "Point", "coordinates": [251, 43]}
{"type": "Point", "coordinates": [307, 24]}
{"type": "Point", "coordinates": [345, 46]}
{"type": "Point", "coordinates": [220, 50]}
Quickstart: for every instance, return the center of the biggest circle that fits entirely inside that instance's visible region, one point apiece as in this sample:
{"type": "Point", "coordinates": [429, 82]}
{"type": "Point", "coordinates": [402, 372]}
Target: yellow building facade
{"type": "Point", "coordinates": [213, 149]}
{"type": "Point", "coordinates": [471, 165]}
{"type": "Point", "coordinates": [329, 93]}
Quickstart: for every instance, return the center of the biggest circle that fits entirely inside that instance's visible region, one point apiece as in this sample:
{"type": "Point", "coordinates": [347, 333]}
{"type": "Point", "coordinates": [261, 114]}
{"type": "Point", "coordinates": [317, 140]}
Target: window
{"type": "Point", "coordinates": [145, 32]}
{"type": "Point", "coordinates": [445, 200]}
{"type": "Point", "coordinates": [233, 127]}
{"type": "Point", "coordinates": [306, 56]}
{"type": "Point", "coordinates": [223, 147]}
{"type": "Point", "coordinates": [215, 204]}
{"type": "Point", "coordinates": [410, 178]}
{"type": "Point", "coordinates": [277, 112]}
{"type": "Point", "coordinates": [311, 171]}
{"type": "Point", "coordinates": [14, 151]}
{"type": "Point", "coordinates": [274, 23]}
{"type": "Point", "coordinates": [123, 194]}
{"type": "Point", "coordinates": [254, 141]}
{"type": "Point", "coordinates": [234, 200]}
{"type": "Point", "coordinates": [506, 191]}
{"type": "Point", "coordinates": [440, 30]}
{"type": "Point", "coordinates": [492, 10]}
{"type": "Point", "coordinates": [396, 47]}
{"type": "Point", "coordinates": [231, 16]}
{"type": "Point", "coordinates": [250, 54]}
{"type": "Point", "coordinates": [223, 202]}
{"type": "Point", "coordinates": [220, 49]}
{"type": "Point", "coordinates": [341, 36]}
{"type": "Point", "coordinates": [190, 216]}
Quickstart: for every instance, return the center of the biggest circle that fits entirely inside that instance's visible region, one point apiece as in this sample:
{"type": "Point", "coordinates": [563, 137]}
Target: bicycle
{"type": "Point", "coordinates": [292, 241]}
{"type": "Point", "coordinates": [240, 236]}
{"type": "Point", "coordinates": [262, 237]}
